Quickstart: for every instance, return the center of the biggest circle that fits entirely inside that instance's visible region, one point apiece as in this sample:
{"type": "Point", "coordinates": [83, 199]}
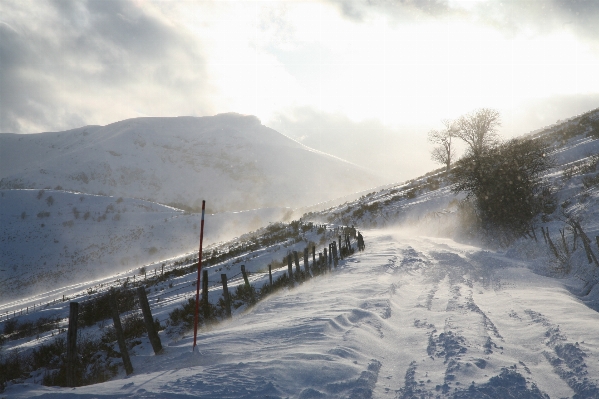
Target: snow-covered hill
{"type": "Point", "coordinates": [410, 317]}
{"type": "Point", "coordinates": [417, 314]}
{"type": "Point", "coordinates": [55, 238]}
{"type": "Point", "coordinates": [231, 161]}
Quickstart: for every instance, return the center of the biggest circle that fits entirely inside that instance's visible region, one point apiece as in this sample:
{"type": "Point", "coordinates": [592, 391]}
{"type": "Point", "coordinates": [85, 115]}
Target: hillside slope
{"type": "Point", "coordinates": [51, 239]}
{"type": "Point", "coordinates": [411, 316]}
{"type": "Point", "coordinates": [231, 161]}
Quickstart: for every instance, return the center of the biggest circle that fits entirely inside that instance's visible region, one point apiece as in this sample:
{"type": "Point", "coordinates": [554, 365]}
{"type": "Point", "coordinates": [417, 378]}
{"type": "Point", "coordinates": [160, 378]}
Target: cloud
{"type": "Point", "coordinates": [70, 63]}
{"type": "Point", "coordinates": [398, 9]}
{"type": "Point", "coordinates": [511, 16]}
{"type": "Point", "coordinates": [396, 153]}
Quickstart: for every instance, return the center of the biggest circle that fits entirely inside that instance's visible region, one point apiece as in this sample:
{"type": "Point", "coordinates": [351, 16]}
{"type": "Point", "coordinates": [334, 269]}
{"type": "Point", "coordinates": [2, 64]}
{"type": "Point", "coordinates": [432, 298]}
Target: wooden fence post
{"type": "Point", "coordinates": [314, 257]}
{"type": "Point", "coordinates": [205, 304]}
{"type": "Point", "coordinates": [340, 249]}
{"type": "Point", "coordinates": [223, 277]}
{"type": "Point", "coordinates": [247, 283]}
{"type": "Point", "coordinates": [320, 265]}
{"type": "Point", "coordinates": [335, 259]}
{"type": "Point", "coordinates": [553, 248]}
{"type": "Point", "coordinates": [72, 362]}
{"type": "Point", "coordinates": [296, 260]}
{"type": "Point", "coordinates": [564, 242]}
{"type": "Point", "coordinates": [325, 259]}
{"type": "Point", "coordinates": [534, 234]}
{"type": "Point", "coordinates": [149, 320]}
{"type": "Point", "coordinates": [120, 337]}
{"type": "Point", "coordinates": [289, 268]}
{"type": "Point", "coordinates": [306, 263]}
{"type": "Point", "coordinates": [331, 253]}
{"type": "Point", "coordinates": [270, 274]}
{"type": "Point", "coordinates": [586, 242]}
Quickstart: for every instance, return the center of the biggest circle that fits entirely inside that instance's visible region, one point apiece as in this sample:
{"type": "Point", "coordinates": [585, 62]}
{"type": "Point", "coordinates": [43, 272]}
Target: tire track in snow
{"type": "Point", "coordinates": [466, 345]}
{"type": "Point", "coordinates": [567, 359]}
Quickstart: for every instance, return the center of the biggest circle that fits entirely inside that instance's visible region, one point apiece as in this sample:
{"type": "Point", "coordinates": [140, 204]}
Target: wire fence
{"type": "Point", "coordinates": [173, 294]}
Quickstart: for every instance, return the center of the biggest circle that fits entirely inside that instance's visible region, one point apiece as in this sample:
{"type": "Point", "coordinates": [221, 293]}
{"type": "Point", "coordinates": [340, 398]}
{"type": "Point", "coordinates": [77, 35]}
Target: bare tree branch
{"type": "Point", "coordinates": [479, 130]}
{"type": "Point", "coordinates": [444, 151]}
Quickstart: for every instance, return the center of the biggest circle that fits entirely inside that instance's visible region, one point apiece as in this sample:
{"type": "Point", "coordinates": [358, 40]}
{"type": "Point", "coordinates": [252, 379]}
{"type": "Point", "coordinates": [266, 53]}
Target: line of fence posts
{"type": "Point", "coordinates": [577, 232]}
{"type": "Point", "coordinates": [332, 258]}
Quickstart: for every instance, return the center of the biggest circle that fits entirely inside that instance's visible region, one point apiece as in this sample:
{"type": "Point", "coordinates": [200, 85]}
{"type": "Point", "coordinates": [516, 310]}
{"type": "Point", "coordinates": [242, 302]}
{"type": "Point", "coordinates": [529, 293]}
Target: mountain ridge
{"type": "Point", "coordinates": [231, 160]}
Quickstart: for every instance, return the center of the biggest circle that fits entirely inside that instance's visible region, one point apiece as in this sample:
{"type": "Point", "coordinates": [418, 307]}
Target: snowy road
{"type": "Point", "coordinates": [409, 317]}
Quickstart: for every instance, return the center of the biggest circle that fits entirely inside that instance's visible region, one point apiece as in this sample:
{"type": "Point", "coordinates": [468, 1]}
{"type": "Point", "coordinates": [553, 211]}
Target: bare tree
{"type": "Point", "coordinates": [444, 151]}
{"type": "Point", "coordinates": [479, 130]}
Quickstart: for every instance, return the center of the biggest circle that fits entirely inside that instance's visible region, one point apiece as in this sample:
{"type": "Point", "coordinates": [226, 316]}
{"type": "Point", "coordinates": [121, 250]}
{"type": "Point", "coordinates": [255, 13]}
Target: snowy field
{"type": "Point", "coordinates": [409, 317]}
{"type": "Point", "coordinates": [75, 239]}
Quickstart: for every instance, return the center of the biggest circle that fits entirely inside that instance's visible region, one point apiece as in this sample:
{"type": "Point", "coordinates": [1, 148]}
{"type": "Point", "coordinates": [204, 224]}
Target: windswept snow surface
{"type": "Point", "coordinates": [409, 317]}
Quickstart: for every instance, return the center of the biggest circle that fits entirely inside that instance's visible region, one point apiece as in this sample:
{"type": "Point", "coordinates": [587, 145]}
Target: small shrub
{"type": "Point", "coordinates": [412, 193]}
{"type": "Point", "coordinates": [243, 295]}
{"type": "Point", "coordinates": [98, 308]}
{"type": "Point", "coordinates": [183, 315]}
{"type": "Point", "coordinates": [590, 181]}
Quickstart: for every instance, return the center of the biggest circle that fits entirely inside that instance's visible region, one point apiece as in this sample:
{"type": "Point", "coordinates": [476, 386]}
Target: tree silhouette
{"type": "Point", "coordinates": [444, 151]}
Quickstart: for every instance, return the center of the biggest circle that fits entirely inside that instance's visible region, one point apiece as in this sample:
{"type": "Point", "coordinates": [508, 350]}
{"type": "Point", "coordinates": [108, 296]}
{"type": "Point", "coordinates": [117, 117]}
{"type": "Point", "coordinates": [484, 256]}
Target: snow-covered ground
{"type": "Point", "coordinates": [416, 315]}
{"type": "Point", "coordinates": [51, 239]}
{"type": "Point", "coordinates": [409, 317]}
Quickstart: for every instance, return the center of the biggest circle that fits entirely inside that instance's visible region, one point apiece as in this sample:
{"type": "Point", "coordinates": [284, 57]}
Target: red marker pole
{"type": "Point", "coordinates": [195, 323]}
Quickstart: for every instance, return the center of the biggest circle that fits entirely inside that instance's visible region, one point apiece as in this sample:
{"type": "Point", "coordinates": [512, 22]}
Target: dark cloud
{"type": "Point", "coordinates": [66, 59]}
{"type": "Point", "coordinates": [511, 16]}
{"type": "Point", "coordinates": [577, 16]}
{"type": "Point", "coordinates": [396, 153]}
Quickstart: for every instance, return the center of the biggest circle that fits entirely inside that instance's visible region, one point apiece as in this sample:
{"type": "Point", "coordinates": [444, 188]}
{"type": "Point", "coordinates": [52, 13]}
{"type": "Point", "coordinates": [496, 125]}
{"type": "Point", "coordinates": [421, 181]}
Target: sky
{"type": "Point", "coordinates": [376, 75]}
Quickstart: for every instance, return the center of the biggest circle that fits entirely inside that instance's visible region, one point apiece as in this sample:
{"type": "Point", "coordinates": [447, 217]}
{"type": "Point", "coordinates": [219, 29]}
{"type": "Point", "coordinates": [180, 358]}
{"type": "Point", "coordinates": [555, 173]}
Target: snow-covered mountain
{"type": "Point", "coordinates": [230, 160]}
{"type": "Point", "coordinates": [105, 183]}
{"type": "Point", "coordinates": [417, 314]}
